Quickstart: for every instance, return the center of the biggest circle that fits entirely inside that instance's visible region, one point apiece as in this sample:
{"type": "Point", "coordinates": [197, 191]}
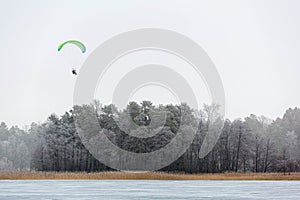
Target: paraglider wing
{"type": "Point", "coordinates": [75, 42]}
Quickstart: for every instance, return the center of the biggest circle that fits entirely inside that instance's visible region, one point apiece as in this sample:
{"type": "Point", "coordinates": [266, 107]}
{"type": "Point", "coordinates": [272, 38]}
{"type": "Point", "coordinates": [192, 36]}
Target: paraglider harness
{"type": "Point", "coordinates": [74, 71]}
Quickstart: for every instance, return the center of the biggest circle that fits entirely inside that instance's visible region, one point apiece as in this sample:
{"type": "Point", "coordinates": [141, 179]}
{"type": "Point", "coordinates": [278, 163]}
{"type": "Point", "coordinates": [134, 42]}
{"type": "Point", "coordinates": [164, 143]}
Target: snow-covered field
{"type": "Point", "coordinates": [111, 189]}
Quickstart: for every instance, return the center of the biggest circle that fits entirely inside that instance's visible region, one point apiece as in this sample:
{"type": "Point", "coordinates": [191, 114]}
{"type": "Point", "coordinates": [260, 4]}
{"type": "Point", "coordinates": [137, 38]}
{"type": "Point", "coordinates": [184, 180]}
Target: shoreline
{"type": "Point", "coordinates": [33, 175]}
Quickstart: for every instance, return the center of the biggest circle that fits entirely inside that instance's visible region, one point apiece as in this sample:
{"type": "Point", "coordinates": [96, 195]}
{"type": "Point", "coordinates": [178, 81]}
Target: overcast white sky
{"type": "Point", "coordinates": [255, 46]}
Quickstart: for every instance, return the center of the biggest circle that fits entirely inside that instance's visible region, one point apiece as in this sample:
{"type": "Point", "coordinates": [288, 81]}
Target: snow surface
{"type": "Point", "coordinates": [125, 189]}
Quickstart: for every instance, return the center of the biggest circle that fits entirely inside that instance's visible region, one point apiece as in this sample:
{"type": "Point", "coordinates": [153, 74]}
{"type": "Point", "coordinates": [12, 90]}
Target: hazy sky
{"type": "Point", "coordinates": [255, 46]}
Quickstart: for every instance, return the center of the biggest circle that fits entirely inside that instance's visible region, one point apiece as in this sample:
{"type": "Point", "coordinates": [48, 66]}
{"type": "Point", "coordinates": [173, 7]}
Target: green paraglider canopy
{"type": "Point", "coordinates": [75, 42]}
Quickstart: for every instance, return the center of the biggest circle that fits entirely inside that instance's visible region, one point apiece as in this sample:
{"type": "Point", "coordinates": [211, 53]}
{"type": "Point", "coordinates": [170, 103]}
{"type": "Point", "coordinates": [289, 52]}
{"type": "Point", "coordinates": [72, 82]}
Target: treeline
{"type": "Point", "coordinates": [254, 144]}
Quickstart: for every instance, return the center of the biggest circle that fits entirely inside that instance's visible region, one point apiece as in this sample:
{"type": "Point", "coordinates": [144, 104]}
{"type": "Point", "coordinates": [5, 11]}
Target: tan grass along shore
{"type": "Point", "coordinates": [30, 175]}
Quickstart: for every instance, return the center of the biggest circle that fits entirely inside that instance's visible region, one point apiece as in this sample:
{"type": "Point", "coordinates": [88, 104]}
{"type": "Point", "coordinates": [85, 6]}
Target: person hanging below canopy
{"type": "Point", "coordinates": [77, 43]}
{"type": "Point", "coordinates": [74, 71]}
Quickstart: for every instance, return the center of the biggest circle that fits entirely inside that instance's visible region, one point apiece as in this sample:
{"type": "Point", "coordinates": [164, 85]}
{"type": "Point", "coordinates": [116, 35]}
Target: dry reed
{"type": "Point", "coordinates": [32, 175]}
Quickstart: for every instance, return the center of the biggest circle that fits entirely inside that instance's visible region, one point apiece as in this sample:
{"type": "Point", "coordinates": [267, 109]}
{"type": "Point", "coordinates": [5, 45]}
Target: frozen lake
{"type": "Point", "coordinates": [111, 189]}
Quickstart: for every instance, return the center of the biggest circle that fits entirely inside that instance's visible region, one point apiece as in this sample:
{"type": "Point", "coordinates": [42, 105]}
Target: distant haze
{"type": "Point", "coordinates": [255, 46]}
